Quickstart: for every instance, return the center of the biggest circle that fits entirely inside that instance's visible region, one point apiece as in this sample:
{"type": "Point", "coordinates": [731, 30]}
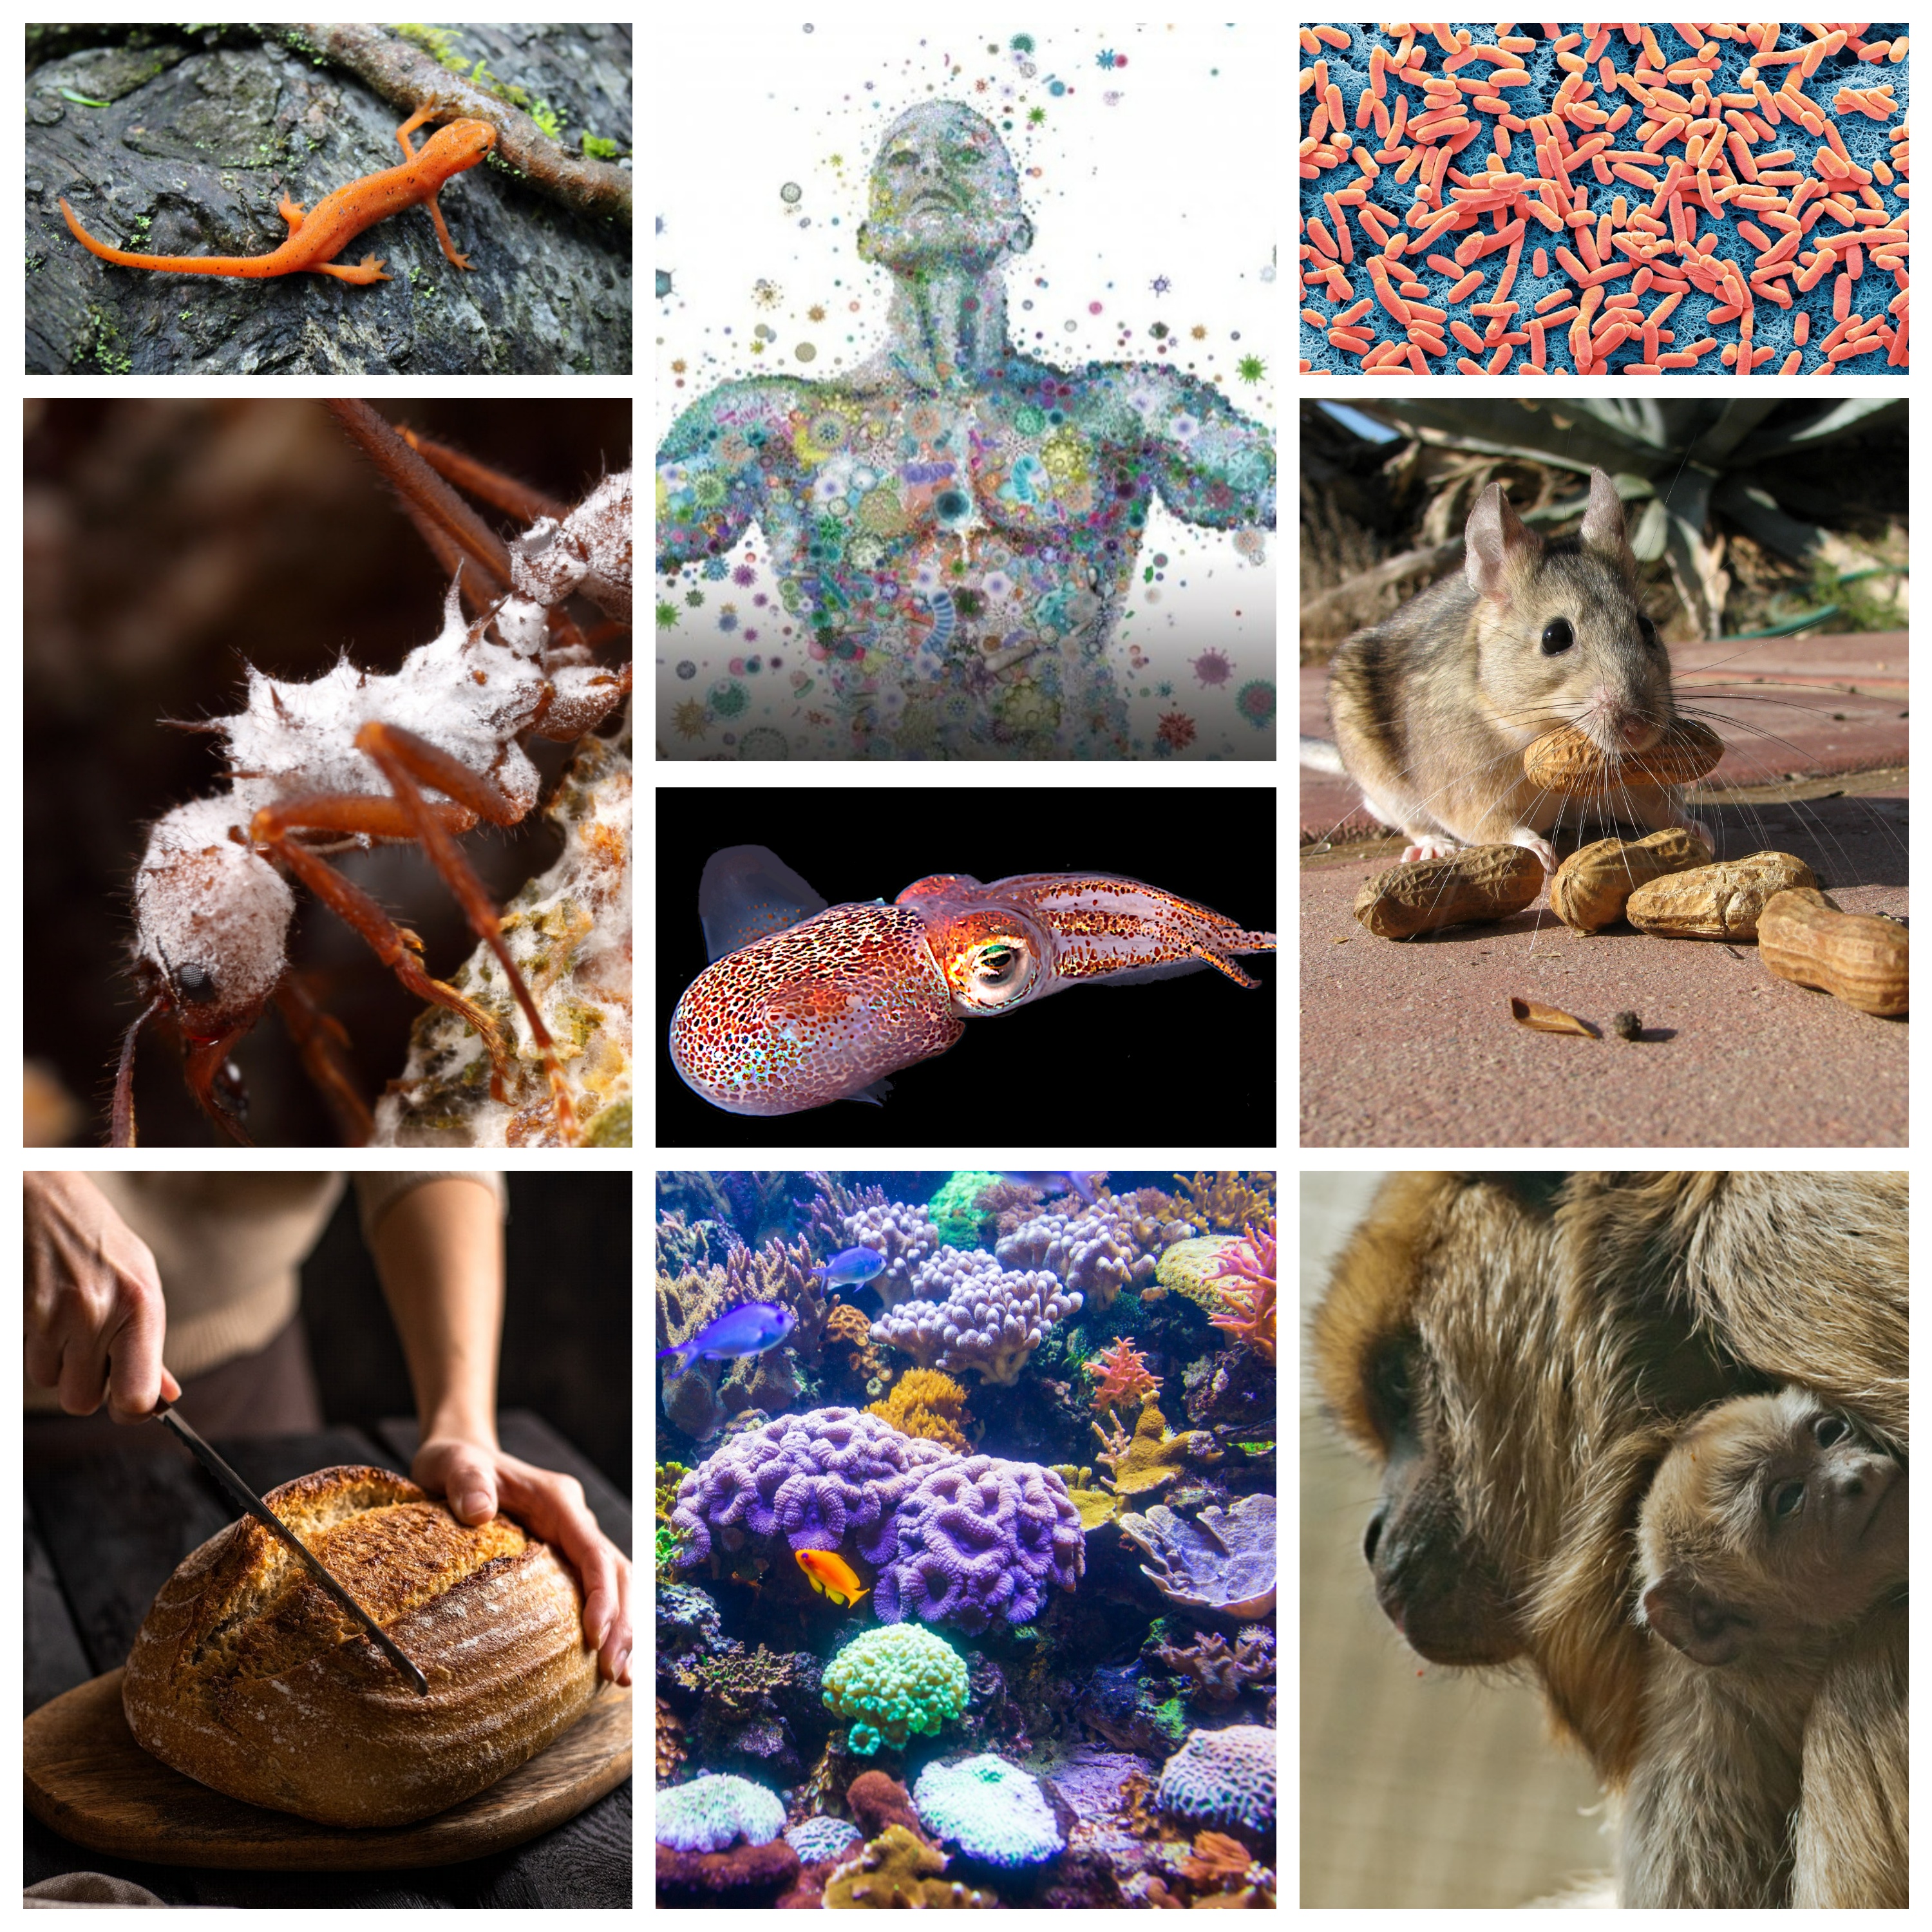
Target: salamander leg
{"type": "Point", "coordinates": [442, 234]}
{"type": "Point", "coordinates": [292, 212]}
{"type": "Point", "coordinates": [369, 269]}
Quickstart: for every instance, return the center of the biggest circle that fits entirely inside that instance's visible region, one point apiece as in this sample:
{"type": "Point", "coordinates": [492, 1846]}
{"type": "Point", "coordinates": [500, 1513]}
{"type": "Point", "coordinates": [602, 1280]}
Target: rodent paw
{"type": "Point", "coordinates": [1430, 848]}
{"type": "Point", "coordinates": [1535, 842]}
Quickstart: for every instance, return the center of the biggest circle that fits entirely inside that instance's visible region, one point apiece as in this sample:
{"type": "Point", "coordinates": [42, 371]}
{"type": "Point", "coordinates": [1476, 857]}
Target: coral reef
{"type": "Point", "coordinates": [781, 1273]}
{"type": "Point", "coordinates": [1226, 1201]}
{"type": "Point", "coordinates": [954, 1539]}
{"type": "Point", "coordinates": [716, 1810]}
{"type": "Point", "coordinates": [1223, 1561]}
{"type": "Point", "coordinates": [901, 1230]}
{"type": "Point", "coordinates": [925, 1402]}
{"type": "Point", "coordinates": [745, 1875]}
{"type": "Point", "coordinates": [957, 1216]}
{"type": "Point", "coordinates": [687, 1627]}
{"type": "Point", "coordinates": [971, 1313]}
{"type": "Point", "coordinates": [569, 932]}
{"type": "Point", "coordinates": [892, 1682]}
{"type": "Point", "coordinates": [1150, 1459]}
{"type": "Point", "coordinates": [1097, 1251]}
{"type": "Point", "coordinates": [1121, 1706]}
{"type": "Point", "coordinates": [1190, 1268]}
{"type": "Point", "coordinates": [1248, 1305]}
{"type": "Point", "coordinates": [989, 1809]}
{"type": "Point", "coordinates": [1222, 1778]}
{"type": "Point", "coordinates": [686, 1303]}
{"type": "Point", "coordinates": [1122, 1376]}
{"type": "Point", "coordinates": [898, 1870]}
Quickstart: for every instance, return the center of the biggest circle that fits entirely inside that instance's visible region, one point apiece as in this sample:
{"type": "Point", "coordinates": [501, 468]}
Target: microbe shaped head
{"type": "Point", "coordinates": [943, 189]}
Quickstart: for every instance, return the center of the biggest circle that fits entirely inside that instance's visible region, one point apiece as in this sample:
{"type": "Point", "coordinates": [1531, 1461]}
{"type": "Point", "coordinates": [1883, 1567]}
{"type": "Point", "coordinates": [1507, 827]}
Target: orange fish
{"type": "Point", "coordinates": [831, 1575]}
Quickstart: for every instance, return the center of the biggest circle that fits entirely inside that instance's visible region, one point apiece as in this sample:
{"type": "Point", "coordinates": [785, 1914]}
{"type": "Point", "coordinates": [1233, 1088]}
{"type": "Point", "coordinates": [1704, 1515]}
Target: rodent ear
{"type": "Point", "coordinates": [1495, 536]}
{"type": "Point", "coordinates": [1604, 520]}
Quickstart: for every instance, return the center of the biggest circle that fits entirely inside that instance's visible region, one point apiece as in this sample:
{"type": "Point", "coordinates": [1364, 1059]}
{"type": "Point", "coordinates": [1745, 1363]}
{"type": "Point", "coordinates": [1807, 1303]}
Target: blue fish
{"type": "Point", "coordinates": [748, 1330]}
{"type": "Point", "coordinates": [1061, 1182]}
{"type": "Point", "coordinates": [853, 1269]}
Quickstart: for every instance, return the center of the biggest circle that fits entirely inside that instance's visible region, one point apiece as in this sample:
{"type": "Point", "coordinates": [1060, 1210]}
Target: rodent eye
{"type": "Point", "coordinates": [1649, 631]}
{"type": "Point", "coordinates": [1829, 1429]}
{"type": "Point", "coordinates": [1558, 636]}
{"type": "Point", "coordinates": [1786, 1498]}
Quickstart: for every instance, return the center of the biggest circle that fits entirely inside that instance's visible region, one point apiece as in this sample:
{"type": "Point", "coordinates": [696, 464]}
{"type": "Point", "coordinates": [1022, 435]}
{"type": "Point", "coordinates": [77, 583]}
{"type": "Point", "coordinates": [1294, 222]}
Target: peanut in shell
{"type": "Point", "coordinates": [1721, 902]}
{"type": "Point", "coordinates": [1592, 885]}
{"type": "Point", "coordinates": [1570, 761]}
{"type": "Point", "coordinates": [1480, 883]}
{"type": "Point", "coordinates": [1866, 962]}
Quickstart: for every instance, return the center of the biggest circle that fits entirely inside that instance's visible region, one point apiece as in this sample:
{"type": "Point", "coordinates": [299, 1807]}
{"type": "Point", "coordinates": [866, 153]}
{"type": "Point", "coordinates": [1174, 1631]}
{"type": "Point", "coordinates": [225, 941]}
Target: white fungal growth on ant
{"type": "Point", "coordinates": [354, 759]}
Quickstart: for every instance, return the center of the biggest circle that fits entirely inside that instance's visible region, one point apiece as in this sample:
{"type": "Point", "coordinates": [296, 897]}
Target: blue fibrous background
{"type": "Point", "coordinates": [1866, 140]}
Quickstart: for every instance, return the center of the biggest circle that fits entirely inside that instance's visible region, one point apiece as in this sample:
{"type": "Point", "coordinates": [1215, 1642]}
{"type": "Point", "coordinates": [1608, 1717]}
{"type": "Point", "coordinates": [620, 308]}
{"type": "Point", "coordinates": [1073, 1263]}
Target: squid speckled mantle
{"type": "Point", "coordinates": [824, 1009]}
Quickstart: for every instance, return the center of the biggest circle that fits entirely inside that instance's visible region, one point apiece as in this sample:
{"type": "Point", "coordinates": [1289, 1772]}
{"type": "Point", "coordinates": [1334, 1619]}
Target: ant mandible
{"type": "Point", "coordinates": [353, 759]}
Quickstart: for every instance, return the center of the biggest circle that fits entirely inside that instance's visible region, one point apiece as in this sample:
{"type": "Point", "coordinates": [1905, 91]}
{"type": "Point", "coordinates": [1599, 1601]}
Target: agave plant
{"type": "Point", "coordinates": [1680, 461]}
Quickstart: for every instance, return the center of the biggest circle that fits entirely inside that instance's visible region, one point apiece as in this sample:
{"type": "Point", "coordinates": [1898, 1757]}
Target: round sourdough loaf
{"type": "Point", "coordinates": [247, 1677]}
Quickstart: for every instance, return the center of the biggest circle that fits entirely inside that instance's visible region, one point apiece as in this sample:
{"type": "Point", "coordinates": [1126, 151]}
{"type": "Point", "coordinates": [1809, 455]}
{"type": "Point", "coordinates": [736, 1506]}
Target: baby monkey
{"type": "Point", "coordinates": [1774, 1527]}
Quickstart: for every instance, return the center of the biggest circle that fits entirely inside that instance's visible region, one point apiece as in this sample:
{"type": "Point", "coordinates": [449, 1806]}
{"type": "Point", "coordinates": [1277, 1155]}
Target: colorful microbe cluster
{"type": "Point", "coordinates": [1619, 200]}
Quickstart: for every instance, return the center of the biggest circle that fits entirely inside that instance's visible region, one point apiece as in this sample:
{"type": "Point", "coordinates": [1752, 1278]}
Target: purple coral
{"type": "Point", "coordinates": [978, 1538]}
{"type": "Point", "coordinates": [1105, 1248]}
{"type": "Point", "coordinates": [957, 1539]}
{"type": "Point", "coordinates": [973, 1314]}
{"type": "Point", "coordinates": [1223, 1561]}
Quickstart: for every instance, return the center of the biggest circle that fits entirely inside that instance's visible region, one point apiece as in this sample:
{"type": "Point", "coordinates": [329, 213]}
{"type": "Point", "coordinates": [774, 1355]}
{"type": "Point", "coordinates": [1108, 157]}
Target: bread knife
{"type": "Point", "coordinates": [239, 1492]}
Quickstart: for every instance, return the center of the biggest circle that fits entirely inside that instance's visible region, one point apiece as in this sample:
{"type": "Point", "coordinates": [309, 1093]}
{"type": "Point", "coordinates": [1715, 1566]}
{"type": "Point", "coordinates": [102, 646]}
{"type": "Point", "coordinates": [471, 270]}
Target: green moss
{"type": "Point", "coordinates": [545, 116]}
{"type": "Point", "coordinates": [599, 149]}
{"type": "Point", "coordinates": [439, 43]}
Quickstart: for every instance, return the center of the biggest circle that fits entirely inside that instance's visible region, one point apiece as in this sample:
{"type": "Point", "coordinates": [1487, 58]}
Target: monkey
{"type": "Point", "coordinates": [1506, 1346]}
{"type": "Point", "coordinates": [1773, 1526]}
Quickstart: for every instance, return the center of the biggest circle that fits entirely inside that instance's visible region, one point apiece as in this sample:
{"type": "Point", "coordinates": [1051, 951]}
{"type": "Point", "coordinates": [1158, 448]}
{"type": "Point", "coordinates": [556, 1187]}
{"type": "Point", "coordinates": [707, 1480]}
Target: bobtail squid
{"type": "Point", "coordinates": [805, 1004]}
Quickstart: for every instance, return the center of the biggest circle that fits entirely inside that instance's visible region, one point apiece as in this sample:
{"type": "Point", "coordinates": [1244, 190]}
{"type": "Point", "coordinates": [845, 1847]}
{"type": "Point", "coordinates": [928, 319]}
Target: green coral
{"type": "Point", "coordinates": [892, 1682]}
{"type": "Point", "coordinates": [670, 1543]}
{"type": "Point", "coordinates": [957, 1217]}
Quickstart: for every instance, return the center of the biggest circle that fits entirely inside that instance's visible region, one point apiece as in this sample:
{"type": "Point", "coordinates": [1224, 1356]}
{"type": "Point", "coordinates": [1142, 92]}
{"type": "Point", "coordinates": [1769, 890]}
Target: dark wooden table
{"type": "Point", "coordinates": [105, 1532]}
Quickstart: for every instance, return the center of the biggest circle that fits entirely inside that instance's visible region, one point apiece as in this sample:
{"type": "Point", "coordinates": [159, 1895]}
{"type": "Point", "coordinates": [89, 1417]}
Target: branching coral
{"type": "Point", "coordinates": [1122, 1375]}
{"type": "Point", "coordinates": [1227, 1202]}
{"type": "Point", "coordinates": [979, 1316]}
{"type": "Point", "coordinates": [1189, 1268]}
{"type": "Point", "coordinates": [1095, 1506]}
{"type": "Point", "coordinates": [897, 1869]}
{"type": "Point", "coordinates": [685, 1304]}
{"type": "Point", "coordinates": [781, 1273]}
{"type": "Point", "coordinates": [1150, 1459]}
{"type": "Point", "coordinates": [739, 1683]}
{"type": "Point", "coordinates": [1221, 1674]}
{"type": "Point", "coordinates": [925, 1402]}
{"type": "Point", "coordinates": [1248, 1305]}
{"type": "Point", "coordinates": [670, 1741]}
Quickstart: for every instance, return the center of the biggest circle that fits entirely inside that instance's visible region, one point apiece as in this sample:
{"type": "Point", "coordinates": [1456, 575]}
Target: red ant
{"type": "Point", "coordinates": [345, 761]}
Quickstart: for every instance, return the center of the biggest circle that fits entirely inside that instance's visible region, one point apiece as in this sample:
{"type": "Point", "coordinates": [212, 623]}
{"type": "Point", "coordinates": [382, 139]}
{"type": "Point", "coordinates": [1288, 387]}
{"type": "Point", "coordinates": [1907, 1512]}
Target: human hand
{"type": "Point", "coordinates": [477, 1478]}
{"type": "Point", "coordinates": [95, 1318]}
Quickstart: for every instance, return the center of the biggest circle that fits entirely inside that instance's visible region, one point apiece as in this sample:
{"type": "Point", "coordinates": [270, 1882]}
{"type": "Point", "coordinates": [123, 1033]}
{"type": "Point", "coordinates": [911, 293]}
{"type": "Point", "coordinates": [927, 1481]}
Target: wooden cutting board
{"type": "Point", "coordinates": [88, 1779]}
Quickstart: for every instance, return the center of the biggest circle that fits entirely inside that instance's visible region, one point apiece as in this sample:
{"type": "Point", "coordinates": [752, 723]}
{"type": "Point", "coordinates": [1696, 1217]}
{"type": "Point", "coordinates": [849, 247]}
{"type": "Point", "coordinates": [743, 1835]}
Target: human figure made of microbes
{"type": "Point", "coordinates": [955, 522]}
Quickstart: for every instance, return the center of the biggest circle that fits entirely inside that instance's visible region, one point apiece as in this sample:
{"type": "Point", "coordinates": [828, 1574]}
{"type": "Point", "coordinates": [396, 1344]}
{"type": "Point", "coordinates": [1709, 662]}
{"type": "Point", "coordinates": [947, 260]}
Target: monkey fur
{"type": "Point", "coordinates": [1508, 1347]}
{"type": "Point", "coordinates": [1771, 1530]}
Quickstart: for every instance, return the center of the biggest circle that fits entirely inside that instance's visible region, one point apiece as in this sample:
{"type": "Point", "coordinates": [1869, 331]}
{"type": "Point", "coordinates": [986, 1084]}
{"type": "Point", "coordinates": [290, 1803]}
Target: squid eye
{"type": "Point", "coordinates": [996, 966]}
{"type": "Point", "coordinates": [1558, 636]}
{"type": "Point", "coordinates": [996, 972]}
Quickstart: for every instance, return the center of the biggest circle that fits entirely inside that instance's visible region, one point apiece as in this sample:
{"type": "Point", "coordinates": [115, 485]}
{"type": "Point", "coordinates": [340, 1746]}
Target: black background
{"type": "Point", "coordinates": [1183, 1062]}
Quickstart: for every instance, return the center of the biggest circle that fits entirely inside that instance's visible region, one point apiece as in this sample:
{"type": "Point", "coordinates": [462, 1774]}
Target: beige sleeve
{"type": "Point", "coordinates": [377, 1193]}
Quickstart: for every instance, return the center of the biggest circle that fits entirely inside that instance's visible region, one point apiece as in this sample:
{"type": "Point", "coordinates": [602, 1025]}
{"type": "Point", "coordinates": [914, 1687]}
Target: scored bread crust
{"type": "Point", "coordinates": [247, 1677]}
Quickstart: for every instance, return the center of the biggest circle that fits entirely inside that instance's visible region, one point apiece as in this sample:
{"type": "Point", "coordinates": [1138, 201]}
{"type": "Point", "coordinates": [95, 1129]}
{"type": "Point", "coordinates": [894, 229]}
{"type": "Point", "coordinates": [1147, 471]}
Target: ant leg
{"type": "Point", "coordinates": [390, 943]}
{"type": "Point", "coordinates": [500, 492]}
{"type": "Point", "coordinates": [402, 758]}
{"type": "Point", "coordinates": [320, 1040]}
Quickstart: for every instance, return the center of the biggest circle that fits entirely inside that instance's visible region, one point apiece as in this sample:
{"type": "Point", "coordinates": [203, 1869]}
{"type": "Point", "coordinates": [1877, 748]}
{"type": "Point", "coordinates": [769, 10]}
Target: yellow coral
{"type": "Point", "coordinates": [1095, 1506]}
{"type": "Point", "coordinates": [925, 1402]}
{"type": "Point", "coordinates": [1150, 1459]}
{"type": "Point", "coordinates": [896, 1871]}
{"type": "Point", "coordinates": [1226, 1200]}
{"type": "Point", "coordinates": [853, 1327]}
{"type": "Point", "coordinates": [1190, 1268]}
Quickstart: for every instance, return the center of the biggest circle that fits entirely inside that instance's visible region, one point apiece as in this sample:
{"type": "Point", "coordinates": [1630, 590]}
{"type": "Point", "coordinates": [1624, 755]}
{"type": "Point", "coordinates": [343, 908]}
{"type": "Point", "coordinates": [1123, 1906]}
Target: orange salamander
{"type": "Point", "coordinates": [315, 238]}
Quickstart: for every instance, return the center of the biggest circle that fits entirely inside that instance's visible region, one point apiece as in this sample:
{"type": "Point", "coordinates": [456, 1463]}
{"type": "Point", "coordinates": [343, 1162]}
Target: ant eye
{"type": "Point", "coordinates": [1557, 637]}
{"type": "Point", "coordinates": [1829, 1429]}
{"type": "Point", "coordinates": [1785, 1500]}
{"type": "Point", "coordinates": [195, 984]}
